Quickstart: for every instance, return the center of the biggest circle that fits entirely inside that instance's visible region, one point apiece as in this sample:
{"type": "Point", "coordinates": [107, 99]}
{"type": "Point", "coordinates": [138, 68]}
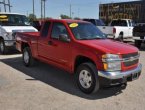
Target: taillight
{"type": "Point", "coordinates": [114, 30]}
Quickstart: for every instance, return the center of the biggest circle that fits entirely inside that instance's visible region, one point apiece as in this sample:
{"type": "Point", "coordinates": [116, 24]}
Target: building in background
{"type": "Point", "coordinates": [125, 10]}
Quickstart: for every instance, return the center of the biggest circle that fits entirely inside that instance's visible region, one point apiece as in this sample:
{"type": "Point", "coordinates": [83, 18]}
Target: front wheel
{"type": "Point", "coordinates": [87, 78]}
{"type": "Point", "coordinates": [27, 57]}
{"type": "Point", "coordinates": [2, 47]}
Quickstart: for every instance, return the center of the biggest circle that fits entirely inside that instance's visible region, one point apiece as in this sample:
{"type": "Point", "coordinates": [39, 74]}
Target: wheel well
{"type": "Point", "coordinates": [1, 38]}
{"type": "Point", "coordinates": [24, 45]}
{"type": "Point", "coordinates": [121, 33]}
{"type": "Point", "coordinates": [81, 59]}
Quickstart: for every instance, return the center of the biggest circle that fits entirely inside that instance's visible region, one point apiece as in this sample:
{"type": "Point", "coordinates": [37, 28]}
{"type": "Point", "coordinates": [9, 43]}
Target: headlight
{"type": "Point", "coordinates": [8, 35]}
{"type": "Point", "coordinates": [111, 62]}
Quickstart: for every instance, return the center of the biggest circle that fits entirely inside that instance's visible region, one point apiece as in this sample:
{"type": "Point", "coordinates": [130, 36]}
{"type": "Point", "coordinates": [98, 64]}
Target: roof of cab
{"type": "Point", "coordinates": [68, 20]}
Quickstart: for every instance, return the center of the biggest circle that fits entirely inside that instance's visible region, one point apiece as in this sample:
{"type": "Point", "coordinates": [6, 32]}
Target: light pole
{"type": "Point", "coordinates": [33, 9]}
{"type": "Point", "coordinates": [70, 11]}
{"type": "Point", "coordinates": [44, 7]}
{"type": "Point", "coordinates": [41, 10]}
{"type": "Point", "coordinates": [9, 6]}
{"type": "Point", "coordinates": [4, 5]}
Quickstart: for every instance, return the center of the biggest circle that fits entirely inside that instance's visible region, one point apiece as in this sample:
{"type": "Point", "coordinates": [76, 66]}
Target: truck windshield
{"type": "Point", "coordinates": [86, 31]}
{"type": "Point", "coordinates": [13, 20]}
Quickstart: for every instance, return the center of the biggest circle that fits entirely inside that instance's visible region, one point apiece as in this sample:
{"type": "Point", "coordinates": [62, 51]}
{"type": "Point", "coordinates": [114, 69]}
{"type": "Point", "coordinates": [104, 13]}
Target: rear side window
{"type": "Point", "coordinates": [100, 23]}
{"type": "Point", "coordinates": [45, 29]}
{"type": "Point", "coordinates": [119, 23]}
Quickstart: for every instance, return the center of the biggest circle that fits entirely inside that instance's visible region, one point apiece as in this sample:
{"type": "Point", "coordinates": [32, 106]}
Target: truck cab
{"type": "Point", "coordinates": [10, 23]}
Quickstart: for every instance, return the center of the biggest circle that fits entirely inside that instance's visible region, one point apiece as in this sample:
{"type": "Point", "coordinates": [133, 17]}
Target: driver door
{"type": "Point", "coordinates": [60, 52]}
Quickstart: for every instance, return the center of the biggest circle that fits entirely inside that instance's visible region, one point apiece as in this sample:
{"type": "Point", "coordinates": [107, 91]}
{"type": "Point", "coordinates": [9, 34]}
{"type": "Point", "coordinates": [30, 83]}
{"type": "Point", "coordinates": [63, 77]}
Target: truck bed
{"type": "Point", "coordinates": [28, 34]}
{"type": "Point", "coordinates": [28, 37]}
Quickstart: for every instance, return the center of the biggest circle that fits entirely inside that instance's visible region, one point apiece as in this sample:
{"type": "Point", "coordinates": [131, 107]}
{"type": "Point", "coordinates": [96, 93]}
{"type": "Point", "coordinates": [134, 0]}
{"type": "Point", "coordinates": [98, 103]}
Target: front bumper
{"type": "Point", "coordinates": [112, 78]}
{"type": "Point", "coordinates": [9, 43]}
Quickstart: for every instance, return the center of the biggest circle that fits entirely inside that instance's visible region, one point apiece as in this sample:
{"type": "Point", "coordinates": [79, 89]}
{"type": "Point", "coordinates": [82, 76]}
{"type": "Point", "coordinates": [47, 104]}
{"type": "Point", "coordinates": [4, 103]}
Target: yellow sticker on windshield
{"type": "Point", "coordinates": [3, 16]}
{"type": "Point", "coordinates": [73, 25]}
{"type": "Point", "coordinates": [3, 19]}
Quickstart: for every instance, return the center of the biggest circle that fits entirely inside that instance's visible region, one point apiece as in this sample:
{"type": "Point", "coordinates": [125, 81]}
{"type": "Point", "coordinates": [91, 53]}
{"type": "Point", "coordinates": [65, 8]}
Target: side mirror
{"type": "Point", "coordinates": [64, 38]}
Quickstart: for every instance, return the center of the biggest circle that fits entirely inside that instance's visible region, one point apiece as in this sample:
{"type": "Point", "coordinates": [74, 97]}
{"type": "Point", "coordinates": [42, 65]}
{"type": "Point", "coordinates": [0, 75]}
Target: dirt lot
{"type": "Point", "coordinates": [44, 87]}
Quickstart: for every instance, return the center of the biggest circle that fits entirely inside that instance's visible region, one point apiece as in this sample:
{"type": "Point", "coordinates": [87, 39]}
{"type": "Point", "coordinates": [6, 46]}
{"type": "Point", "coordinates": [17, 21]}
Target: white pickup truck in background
{"type": "Point", "coordinates": [10, 23]}
{"type": "Point", "coordinates": [117, 29]}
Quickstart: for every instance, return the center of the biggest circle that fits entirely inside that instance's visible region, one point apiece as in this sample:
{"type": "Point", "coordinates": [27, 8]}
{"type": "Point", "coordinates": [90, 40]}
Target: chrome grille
{"type": "Point", "coordinates": [130, 59]}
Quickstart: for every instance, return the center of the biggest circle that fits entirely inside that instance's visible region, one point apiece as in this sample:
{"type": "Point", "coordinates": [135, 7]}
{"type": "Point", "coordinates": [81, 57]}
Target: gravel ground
{"type": "Point", "coordinates": [44, 87]}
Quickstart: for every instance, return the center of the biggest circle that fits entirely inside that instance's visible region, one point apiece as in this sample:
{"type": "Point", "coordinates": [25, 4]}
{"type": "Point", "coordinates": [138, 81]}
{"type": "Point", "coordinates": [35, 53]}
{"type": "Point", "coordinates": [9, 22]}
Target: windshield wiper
{"type": "Point", "coordinates": [84, 39]}
{"type": "Point", "coordinates": [97, 38]}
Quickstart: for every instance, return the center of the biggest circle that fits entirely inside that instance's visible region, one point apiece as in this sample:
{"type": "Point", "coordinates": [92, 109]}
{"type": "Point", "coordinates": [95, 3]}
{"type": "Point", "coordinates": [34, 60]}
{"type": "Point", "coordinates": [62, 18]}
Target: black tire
{"type": "Point", "coordinates": [92, 80]}
{"type": "Point", "coordinates": [2, 47]}
{"type": "Point", "coordinates": [28, 59]}
{"type": "Point", "coordinates": [141, 37]}
{"type": "Point", "coordinates": [120, 38]}
{"type": "Point", "coordinates": [138, 43]}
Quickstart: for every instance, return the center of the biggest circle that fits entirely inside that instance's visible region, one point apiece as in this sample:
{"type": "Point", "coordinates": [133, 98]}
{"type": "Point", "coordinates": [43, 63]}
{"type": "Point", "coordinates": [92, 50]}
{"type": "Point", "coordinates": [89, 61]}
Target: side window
{"type": "Point", "coordinates": [129, 22]}
{"type": "Point", "coordinates": [45, 29]}
{"type": "Point", "coordinates": [58, 28]}
{"type": "Point", "coordinates": [123, 23]}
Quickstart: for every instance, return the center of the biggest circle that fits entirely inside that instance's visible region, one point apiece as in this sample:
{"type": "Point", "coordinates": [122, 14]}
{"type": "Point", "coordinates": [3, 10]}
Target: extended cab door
{"type": "Point", "coordinates": [43, 41]}
{"type": "Point", "coordinates": [59, 52]}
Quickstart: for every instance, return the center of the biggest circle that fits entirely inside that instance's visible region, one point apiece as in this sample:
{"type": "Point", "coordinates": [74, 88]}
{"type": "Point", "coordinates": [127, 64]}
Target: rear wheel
{"type": "Point", "coordinates": [120, 38]}
{"type": "Point", "coordinates": [2, 47]}
{"type": "Point", "coordinates": [87, 78]}
{"type": "Point", "coordinates": [27, 57]}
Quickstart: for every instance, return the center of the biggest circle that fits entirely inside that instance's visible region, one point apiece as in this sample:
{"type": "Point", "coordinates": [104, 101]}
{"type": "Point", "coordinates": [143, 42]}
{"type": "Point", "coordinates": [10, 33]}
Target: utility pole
{"type": "Point", "coordinates": [41, 10]}
{"type": "Point", "coordinates": [9, 6]}
{"type": "Point", "coordinates": [44, 8]}
{"type": "Point", "coordinates": [4, 5]}
{"type": "Point", "coordinates": [70, 11]}
{"type": "Point", "coordinates": [33, 9]}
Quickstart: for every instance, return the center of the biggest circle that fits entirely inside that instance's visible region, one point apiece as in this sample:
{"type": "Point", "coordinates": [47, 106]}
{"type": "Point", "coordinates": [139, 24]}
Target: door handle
{"type": "Point", "coordinates": [50, 42]}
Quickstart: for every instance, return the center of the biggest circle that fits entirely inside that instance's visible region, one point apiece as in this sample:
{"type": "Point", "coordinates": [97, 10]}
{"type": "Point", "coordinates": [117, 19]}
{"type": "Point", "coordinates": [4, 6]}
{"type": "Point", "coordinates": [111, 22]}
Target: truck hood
{"type": "Point", "coordinates": [109, 46]}
{"type": "Point", "coordinates": [19, 29]}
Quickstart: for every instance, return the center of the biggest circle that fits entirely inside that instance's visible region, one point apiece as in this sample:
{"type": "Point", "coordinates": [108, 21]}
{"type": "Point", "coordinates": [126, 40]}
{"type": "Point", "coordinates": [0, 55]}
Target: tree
{"type": "Point", "coordinates": [32, 17]}
{"type": "Point", "coordinates": [64, 16]}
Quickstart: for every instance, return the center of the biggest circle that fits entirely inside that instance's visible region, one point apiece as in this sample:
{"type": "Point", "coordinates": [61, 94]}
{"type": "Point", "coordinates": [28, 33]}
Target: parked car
{"type": "Point", "coordinates": [10, 23]}
{"type": "Point", "coordinates": [139, 34]}
{"type": "Point", "coordinates": [118, 29]}
{"type": "Point", "coordinates": [81, 49]}
{"type": "Point", "coordinates": [96, 22]}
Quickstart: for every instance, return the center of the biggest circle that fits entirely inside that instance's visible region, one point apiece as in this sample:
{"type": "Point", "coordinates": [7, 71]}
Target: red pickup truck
{"type": "Point", "coordinates": [83, 50]}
